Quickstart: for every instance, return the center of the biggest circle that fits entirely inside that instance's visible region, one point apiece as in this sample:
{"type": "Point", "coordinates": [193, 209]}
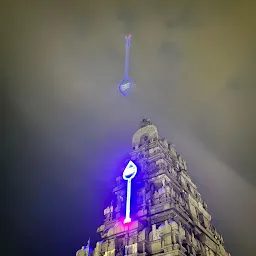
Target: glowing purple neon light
{"type": "Point", "coordinates": [126, 84]}
{"type": "Point", "coordinates": [127, 56]}
{"type": "Point", "coordinates": [128, 174]}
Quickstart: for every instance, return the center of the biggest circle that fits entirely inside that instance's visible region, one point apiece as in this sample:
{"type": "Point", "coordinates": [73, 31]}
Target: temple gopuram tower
{"type": "Point", "coordinates": [167, 214]}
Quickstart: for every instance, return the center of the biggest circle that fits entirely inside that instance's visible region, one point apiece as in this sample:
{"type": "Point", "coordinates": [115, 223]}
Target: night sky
{"type": "Point", "coordinates": [67, 128]}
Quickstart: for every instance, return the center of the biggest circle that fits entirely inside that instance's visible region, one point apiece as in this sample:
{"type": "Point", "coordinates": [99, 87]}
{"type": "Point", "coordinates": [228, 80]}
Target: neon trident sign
{"type": "Point", "coordinates": [126, 84]}
{"type": "Point", "coordinates": [128, 174]}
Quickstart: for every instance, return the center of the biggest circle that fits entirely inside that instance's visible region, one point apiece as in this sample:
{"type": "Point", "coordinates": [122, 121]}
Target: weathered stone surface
{"type": "Point", "coordinates": [169, 216]}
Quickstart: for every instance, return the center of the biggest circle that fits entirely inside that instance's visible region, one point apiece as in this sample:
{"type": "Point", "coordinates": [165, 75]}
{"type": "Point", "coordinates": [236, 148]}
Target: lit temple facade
{"type": "Point", "coordinates": [168, 214]}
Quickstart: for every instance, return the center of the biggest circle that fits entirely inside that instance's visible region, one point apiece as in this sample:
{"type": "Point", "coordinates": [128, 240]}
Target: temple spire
{"type": "Point", "coordinates": [145, 122]}
{"type": "Point", "coordinates": [88, 243]}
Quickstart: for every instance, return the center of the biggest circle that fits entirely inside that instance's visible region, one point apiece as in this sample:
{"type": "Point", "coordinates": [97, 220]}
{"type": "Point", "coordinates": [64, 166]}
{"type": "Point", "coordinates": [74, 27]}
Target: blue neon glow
{"type": "Point", "coordinates": [126, 84]}
{"type": "Point", "coordinates": [128, 174]}
{"type": "Point", "coordinates": [127, 55]}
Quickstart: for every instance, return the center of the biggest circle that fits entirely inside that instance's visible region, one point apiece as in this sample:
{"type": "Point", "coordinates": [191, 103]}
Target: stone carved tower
{"type": "Point", "coordinates": [85, 250]}
{"type": "Point", "coordinates": [169, 216]}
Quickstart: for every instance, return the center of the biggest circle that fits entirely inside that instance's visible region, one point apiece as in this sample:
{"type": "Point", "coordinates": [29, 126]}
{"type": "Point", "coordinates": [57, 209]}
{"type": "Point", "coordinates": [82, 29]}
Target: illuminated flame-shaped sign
{"type": "Point", "coordinates": [128, 174]}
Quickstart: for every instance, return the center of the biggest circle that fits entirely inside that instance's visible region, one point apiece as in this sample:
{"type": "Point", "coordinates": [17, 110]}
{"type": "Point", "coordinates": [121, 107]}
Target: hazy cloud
{"type": "Point", "coordinates": [193, 65]}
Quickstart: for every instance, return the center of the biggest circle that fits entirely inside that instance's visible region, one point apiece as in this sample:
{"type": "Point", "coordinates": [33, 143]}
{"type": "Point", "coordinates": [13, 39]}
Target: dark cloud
{"type": "Point", "coordinates": [170, 50]}
{"type": "Point", "coordinates": [182, 15]}
{"type": "Point", "coordinates": [68, 127]}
